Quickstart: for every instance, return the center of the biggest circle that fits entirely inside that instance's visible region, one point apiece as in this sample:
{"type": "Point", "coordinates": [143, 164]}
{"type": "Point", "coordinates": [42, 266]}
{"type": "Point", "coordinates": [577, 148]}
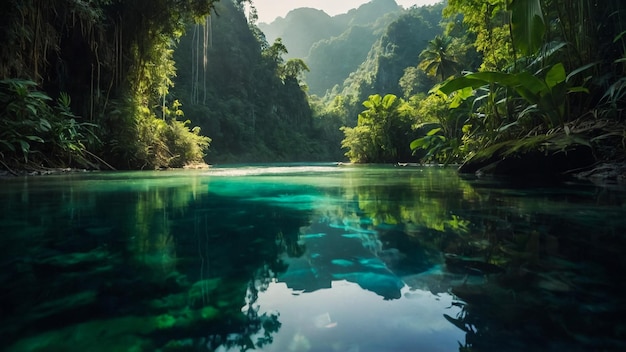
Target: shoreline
{"type": "Point", "coordinates": [5, 173]}
{"type": "Point", "coordinates": [605, 174]}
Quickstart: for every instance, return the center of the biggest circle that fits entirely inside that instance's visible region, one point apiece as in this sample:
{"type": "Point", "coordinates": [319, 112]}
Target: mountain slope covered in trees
{"type": "Point", "coordinates": [253, 101]}
{"type": "Point", "coordinates": [301, 28]}
{"type": "Point", "coordinates": [332, 47]}
{"type": "Point", "coordinates": [243, 93]}
{"type": "Point", "coordinates": [398, 48]}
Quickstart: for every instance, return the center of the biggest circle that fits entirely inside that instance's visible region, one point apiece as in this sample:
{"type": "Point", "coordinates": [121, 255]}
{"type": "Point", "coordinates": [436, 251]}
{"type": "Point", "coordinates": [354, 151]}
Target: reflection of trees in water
{"type": "Point", "coordinates": [561, 288]}
{"type": "Point", "coordinates": [560, 256]}
{"type": "Point", "coordinates": [415, 218]}
{"type": "Point", "coordinates": [546, 299]}
{"type": "Point", "coordinates": [237, 242]}
{"type": "Point", "coordinates": [158, 268]}
{"type": "Point", "coordinates": [257, 330]}
{"type": "Point", "coordinates": [173, 267]}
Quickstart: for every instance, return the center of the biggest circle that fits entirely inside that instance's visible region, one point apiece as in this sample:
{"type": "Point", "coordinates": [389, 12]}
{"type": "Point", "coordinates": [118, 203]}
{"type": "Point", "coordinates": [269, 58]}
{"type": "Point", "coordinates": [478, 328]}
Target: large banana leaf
{"type": "Point", "coordinates": [528, 25]}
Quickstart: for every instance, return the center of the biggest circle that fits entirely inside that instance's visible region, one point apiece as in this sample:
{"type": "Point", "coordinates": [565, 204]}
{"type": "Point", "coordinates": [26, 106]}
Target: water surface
{"type": "Point", "coordinates": [309, 258]}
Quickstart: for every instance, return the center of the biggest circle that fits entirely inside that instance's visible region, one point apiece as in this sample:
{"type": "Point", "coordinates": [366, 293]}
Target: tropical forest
{"type": "Point", "coordinates": [179, 175]}
{"type": "Point", "coordinates": [499, 86]}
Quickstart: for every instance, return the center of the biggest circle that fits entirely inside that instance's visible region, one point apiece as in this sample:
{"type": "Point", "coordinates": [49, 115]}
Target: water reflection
{"type": "Point", "coordinates": [141, 261]}
{"type": "Point", "coordinates": [344, 317]}
{"type": "Point", "coordinates": [340, 251]}
{"type": "Point", "coordinates": [309, 258]}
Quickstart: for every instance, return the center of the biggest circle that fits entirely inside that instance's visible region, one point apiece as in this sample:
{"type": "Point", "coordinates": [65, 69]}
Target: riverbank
{"type": "Point", "coordinates": [43, 171]}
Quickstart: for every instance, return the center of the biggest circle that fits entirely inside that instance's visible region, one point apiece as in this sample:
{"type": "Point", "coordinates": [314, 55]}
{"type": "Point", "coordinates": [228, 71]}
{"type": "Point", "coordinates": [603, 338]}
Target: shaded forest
{"type": "Point", "coordinates": [85, 84]}
{"type": "Point", "coordinates": [242, 91]}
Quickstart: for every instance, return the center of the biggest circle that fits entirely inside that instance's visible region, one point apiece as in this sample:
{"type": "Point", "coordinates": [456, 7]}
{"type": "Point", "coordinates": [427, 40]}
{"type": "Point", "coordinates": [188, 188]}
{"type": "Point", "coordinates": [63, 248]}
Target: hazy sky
{"type": "Point", "coordinates": [268, 10]}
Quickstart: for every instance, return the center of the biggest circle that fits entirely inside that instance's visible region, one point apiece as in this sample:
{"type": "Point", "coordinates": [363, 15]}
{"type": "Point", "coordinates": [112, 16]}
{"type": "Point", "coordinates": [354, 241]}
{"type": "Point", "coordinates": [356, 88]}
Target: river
{"type": "Point", "coordinates": [310, 257]}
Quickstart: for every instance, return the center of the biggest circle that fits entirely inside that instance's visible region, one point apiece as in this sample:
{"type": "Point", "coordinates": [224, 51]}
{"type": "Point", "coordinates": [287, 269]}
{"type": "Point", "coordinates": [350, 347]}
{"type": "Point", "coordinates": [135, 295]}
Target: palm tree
{"type": "Point", "coordinates": [438, 59]}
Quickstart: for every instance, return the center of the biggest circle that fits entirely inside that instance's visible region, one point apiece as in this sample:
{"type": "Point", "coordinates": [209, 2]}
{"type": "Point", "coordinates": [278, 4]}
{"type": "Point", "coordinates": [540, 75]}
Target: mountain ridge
{"type": "Point", "coordinates": [331, 46]}
{"type": "Point", "coordinates": [303, 27]}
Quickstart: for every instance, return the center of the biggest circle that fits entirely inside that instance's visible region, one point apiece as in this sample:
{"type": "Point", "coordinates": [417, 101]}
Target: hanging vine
{"type": "Point", "coordinates": [202, 40]}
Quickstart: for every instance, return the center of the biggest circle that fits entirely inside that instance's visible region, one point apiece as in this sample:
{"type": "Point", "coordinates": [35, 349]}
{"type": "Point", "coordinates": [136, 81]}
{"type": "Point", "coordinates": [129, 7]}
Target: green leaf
{"type": "Point", "coordinates": [461, 83]}
{"type": "Point", "coordinates": [505, 79]}
{"type": "Point", "coordinates": [44, 125]}
{"type": "Point", "coordinates": [581, 69]}
{"type": "Point", "coordinates": [530, 82]}
{"type": "Point", "coordinates": [507, 126]}
{"type": "Point", "coordinates": [24, 145]}
{"type": "Point", "coordinates": [32, 109]}
{"type": "Point", "coordinates": [39, 95]}
{"type": "Point", "coordinates": [578, 90]}
{"type": "Point", "coordinates": [433, 131]}
{"type": "Point", "coordinates": [528, 25]}
{"type": "Point", "coordinates": [34, 138]}
{"type": "Point", "coordinates": [418, 143]}
{"type": "Point", "coordinates": [619, 36]}
{"type": "Point", "coordinates": [388, 101]}
{"type": "Point", "coordinates": [461, 96]}
{"type": "Point", "coordinates": [555, 75]}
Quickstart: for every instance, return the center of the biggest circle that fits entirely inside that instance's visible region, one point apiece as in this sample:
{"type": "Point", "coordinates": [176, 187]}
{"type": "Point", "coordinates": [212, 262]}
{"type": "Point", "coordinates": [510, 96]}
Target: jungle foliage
{"type": "Point", "coordinates": [85, 82]}
{"type": "Point", "coordinates": [104, 83]}
{"type": "Point", "coordinates": [381, 132]}
{"type": "Point", "coordinates": [387, 71]}
{"type": "Point", "coordinates": [504, 79]}
{"type": "Point", "coordinates": [551, 82]}
{"type": "Point", "coordinates": [244, 93]}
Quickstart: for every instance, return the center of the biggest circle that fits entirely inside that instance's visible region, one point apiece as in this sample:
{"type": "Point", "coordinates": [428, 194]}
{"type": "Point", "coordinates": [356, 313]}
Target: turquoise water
{"type": "Point", "coordinates": [310, 258]}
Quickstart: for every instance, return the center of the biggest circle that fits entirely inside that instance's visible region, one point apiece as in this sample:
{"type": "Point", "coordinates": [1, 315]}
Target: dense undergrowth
{"type": "Point", "coordinates": [86, 85]}
{"type": "Point", "coordinates": [516, 81]}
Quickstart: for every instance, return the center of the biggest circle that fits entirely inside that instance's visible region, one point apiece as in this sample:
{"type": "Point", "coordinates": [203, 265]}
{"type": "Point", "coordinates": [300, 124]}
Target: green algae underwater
{"type": "Point", "coordinates": [310, 257]}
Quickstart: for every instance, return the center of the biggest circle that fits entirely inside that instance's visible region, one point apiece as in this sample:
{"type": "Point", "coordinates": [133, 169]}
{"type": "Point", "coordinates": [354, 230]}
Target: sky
{"type": "Point", "coordinates": [268, 10]}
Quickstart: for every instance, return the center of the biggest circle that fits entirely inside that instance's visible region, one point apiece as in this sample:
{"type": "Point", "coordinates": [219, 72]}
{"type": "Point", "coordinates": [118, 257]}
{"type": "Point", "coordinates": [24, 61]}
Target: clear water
{"type": "Point", "coordinates": [309, 258]}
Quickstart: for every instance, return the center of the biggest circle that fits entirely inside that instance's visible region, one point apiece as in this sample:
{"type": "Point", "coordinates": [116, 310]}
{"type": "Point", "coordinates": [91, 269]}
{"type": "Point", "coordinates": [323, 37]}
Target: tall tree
{"type": "Point", "coordinates": [438, 58]}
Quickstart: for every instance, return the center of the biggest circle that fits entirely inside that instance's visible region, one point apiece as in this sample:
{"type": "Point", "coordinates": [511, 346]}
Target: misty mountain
{"type": "Point", "coordinates": [300, 29]}
{"type": "Point", "coordinates": [398, 48]}
{"type": "Point", "coordinates": [332, 47]}
{"type": "Point", "coordinates": [303, 27]}
{"type": "Point", "coordinates": [332, 60]}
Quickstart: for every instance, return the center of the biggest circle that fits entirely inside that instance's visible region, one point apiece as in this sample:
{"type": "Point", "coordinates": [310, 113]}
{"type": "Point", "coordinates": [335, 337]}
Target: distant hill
{"type": "Point", "coordinates": [332, 47]}
{"type": "Point", "coordinates": [303, 27]}
{"type": "Point", "coordinates": [370, 12]}
{"type": "Point", "coordinates": [332, 60]}
{"type": "Point", "coordinates": [300, 29]}
{"type": "Point", "coordinates": [398, 48]}
{"type": "Point", "coordinates": [395, 50]}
